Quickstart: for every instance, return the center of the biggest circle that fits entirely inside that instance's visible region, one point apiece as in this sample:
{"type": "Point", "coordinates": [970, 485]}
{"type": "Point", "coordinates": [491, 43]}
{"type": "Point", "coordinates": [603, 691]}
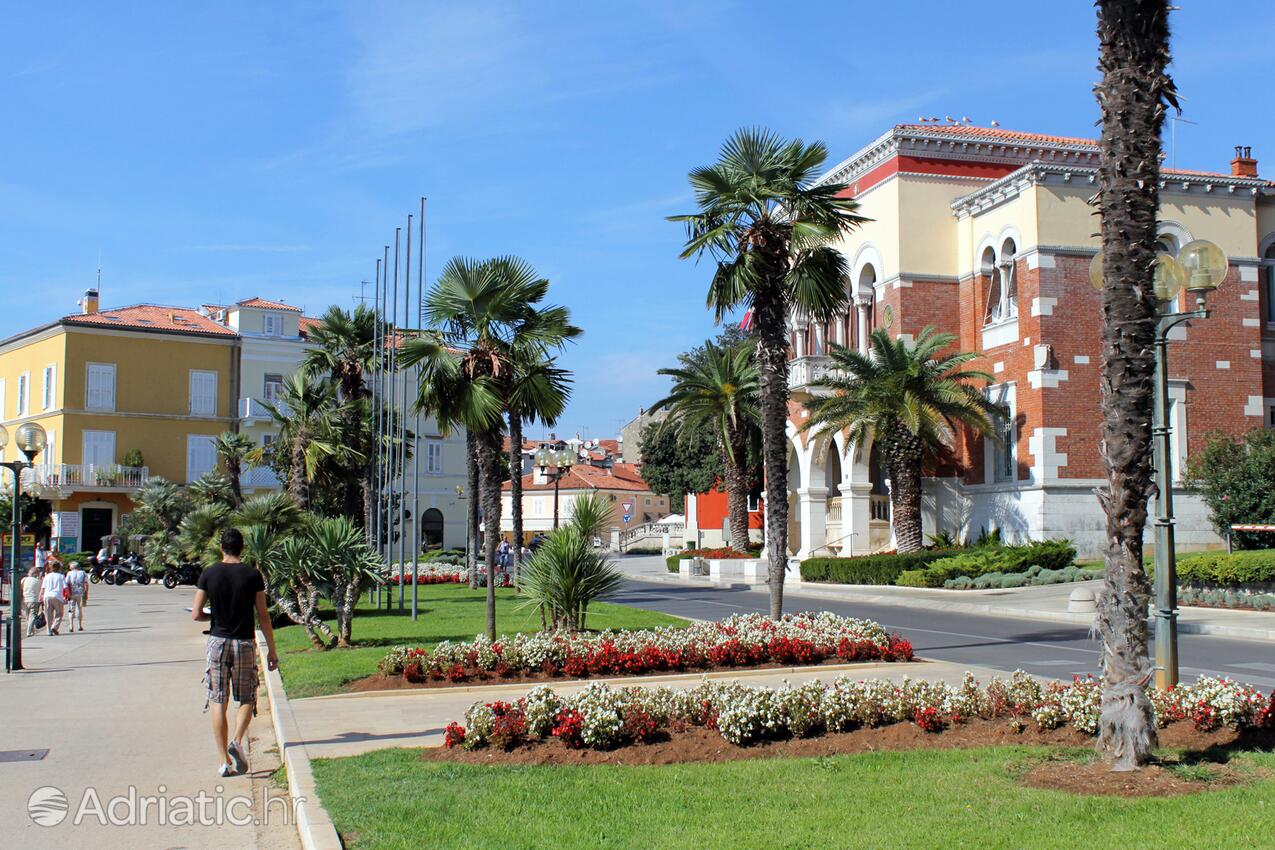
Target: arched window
{"type": "Point", "coordinates": [1268, 268]}
{"type": "Point", "coordinates": [432, 528]}
{"type": "Point", "coordinates": [1001, 283]}
{"type": "Point", "coordinates": [991, 285]}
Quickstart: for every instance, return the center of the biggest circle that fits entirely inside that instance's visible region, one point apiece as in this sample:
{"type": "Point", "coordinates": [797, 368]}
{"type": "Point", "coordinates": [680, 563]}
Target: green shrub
{"type": "Point", "coordinates": [1220, 568]}
{"type": "Point", "coordinates": [1045, 554]}
{"type": "Point", "coordinates": [867, 569]}
{"type": "Point", "coordinates": [673, 561]}
{"type": "Point", "coordinates": [911, 578]}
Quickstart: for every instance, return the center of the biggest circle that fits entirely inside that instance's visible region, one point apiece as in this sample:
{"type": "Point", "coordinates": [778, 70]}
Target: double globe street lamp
{"type": "Point", "coordinates": [31, 439]}
{"type": "Point", "coordinates": [556, 462]}
{"type": "Point", "coordinates": [1199, 268]}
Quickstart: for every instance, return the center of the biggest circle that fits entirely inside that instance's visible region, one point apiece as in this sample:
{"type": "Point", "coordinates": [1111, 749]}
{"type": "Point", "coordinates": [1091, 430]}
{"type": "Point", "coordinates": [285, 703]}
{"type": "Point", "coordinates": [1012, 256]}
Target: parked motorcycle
{"type": "Point", "coordinates": [181, 574]}
{"type": "Point", "coordinates": [98, 569]}
{"type": "Point", "coordinates": [130, 568]}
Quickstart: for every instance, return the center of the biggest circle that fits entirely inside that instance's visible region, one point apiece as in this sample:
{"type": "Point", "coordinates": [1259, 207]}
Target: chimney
{"type": "Point", "coordinates": [88, 304]}
{"type": "Point", "coordinates": [1243, 165]}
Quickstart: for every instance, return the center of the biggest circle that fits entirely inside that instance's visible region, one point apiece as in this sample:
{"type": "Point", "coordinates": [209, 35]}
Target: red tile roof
{"type": "Point", "coordinates": [998, 134]}
{"type": "Point", "coordinates": [267, 305]}
{"type": "Point", "coordinates": [151, 317]}
{"type": "Point", "coordinates": [306, 324]}
{"type": "Point", "coordinates": [621, 476]}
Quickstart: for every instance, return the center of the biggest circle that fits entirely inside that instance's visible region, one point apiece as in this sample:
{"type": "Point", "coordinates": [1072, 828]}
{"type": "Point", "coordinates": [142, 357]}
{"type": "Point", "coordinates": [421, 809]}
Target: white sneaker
{"type": "Point", "coordinates": [225, 771]}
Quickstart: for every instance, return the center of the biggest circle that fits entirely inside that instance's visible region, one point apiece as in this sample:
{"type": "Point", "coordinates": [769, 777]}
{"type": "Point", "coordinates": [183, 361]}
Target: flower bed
{"type": "Point", "coordinates": [742, 640]}
{"type": "Point", "coordinates": [442, 574]}
{"type": "Point", "coordinates": [601, 717]}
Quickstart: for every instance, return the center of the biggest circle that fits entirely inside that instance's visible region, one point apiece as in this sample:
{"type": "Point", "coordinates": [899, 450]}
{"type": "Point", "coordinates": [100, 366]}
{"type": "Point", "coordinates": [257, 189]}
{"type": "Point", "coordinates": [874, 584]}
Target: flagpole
{"type": "Point", "coordinates": [377, 342]}
{"type": "Point", "coordinates": [417, 526]}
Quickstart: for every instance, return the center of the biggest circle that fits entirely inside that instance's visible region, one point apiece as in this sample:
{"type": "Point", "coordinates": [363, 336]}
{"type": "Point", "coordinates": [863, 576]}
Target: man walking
{"type": "Point", "coordinates": [53, 592]}
{"type": "Point", "coordinates": [78, 582]}
{"type": "Point", "coordinates": [235, 592]}
{"type": "Point", "coordinates": [31, 597]}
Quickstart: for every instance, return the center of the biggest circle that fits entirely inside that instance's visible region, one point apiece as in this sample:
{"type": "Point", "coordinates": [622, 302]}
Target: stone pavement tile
{"type": "Point", "coordinates": [120, 706]}
{"type": "Point", "coordinates": [349, 724]}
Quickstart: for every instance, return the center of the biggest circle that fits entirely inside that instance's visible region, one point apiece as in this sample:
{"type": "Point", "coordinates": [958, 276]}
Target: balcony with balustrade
{"type": "Point", "coordinates": [259, 478]}
{"type": "Point", "coordinates": [56, 481]}
{"type": "Point", "coordinates": [253, 410]}
{"type": "Point", "coordinates": [804, 371]}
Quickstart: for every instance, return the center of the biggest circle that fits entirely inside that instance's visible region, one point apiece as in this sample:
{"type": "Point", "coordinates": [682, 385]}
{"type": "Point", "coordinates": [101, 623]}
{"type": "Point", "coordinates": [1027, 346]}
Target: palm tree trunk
{"type": "Point", "coordinates": [736, 483]}
{"type": "Point", "coordinates": [1133, 54]}
{"type": "Point", "coordinates": [772, 369]}
{"type": "Point", "coordinates": [234, 470]}
{"type": "Point", "coordinates": [298, 486]}
{"type": "Point", "coordinates": [471, 518]}
{"type": "Point", "coordinates": [515, 489]}
{"type": "Point", "coordinates": [489, 467]}
{"type": "Point", "coordinates": [903, 456]}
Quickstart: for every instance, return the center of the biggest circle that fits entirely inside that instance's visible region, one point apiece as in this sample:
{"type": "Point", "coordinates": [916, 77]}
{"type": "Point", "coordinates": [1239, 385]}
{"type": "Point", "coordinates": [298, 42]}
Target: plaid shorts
{"type": "Point", "coordinates": [232, 670]}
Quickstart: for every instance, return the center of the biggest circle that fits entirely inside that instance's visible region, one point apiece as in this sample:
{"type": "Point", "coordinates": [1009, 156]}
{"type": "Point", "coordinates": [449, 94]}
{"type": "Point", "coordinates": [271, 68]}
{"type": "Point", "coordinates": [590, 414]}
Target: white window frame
{"type": "Point", "coordinates": [84, 447]}
{"type": "Point", "coordinates": [538, 506]}
{"type": "Point", "coordinates": [268, 394]}
{"type": "Point", "coordinates": [212, 409]}
{"type": "Point", "coordinates": [1179, 436]}
{"type": "Point", "coordinates": [49, 387]}
{"type": "Point", "coordinates": [1267, 272]}
{"type": "Point", "coordinates": [433, 456]}
{"type": "Point", "coordinates": [1002, 281]}
{"type": "Point", "coordinates": [191, 439]}
{"type": "Point", "coordinates": [24, 395]}
{"type": "Point", "coordinates": [994, 468]}
{"type": "Point", "coordinates": [272, 324]}
{"type": "Point", "coordinates": [103, 369]}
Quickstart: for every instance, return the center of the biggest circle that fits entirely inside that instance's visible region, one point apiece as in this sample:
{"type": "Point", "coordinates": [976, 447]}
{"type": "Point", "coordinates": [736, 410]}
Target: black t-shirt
{"type": "Point", "coordinates": [232, 594]}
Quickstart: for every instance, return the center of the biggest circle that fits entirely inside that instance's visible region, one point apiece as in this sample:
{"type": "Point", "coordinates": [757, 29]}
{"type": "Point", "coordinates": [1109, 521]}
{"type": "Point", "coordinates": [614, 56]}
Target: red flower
{"type": "Point", "coordinates": [567, 727]}
{"type": "Point", "coordinates": [454, 734]}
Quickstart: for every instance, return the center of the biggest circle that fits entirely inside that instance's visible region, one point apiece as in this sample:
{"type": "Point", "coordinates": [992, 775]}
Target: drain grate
{"type": "Point", "coordinates": [22, 755]}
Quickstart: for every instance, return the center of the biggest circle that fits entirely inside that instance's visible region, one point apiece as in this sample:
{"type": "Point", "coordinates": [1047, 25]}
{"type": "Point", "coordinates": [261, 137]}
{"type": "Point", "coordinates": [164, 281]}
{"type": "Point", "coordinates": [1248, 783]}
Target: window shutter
{"type": "Point", "coordinates": [100, 394]}
{"type": "Point", "coordinates": [203, 393]}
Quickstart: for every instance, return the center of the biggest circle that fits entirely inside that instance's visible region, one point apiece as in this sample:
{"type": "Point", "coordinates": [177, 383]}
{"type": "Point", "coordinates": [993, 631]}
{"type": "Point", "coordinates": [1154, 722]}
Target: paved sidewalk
{"type": "Point", "coordinates": [121, 705]}
{"type": "Point", "coordinates": [1047, 602]}
{"type": "Point", "coordinates": [349, 724]}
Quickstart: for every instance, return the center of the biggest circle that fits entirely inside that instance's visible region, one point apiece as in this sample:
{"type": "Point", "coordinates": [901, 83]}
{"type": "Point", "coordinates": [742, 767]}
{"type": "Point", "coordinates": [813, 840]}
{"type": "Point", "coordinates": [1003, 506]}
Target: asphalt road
{"type": "Point", "coordinates": [1057, 650]}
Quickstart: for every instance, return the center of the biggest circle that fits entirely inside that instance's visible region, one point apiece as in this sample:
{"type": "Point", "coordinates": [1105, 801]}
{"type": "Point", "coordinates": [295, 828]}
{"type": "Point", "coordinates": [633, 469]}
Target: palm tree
{"type": "Point", "coordinates": [481, 314]}
{"type": "Point", "coordinates": [1133, 54]}
{"type": "Point", "coordinates": [718, 390]}
{"type": "Point", "coordinates": [346, 352]}
{"type": "Point", "coordinates": [906, 399]}
{"type": "Point", "coordinates": [233, 449]}
{"type": "Point", "coordinates": [537, 391]}
{"type": "Point", "coordinates": [769, 224]}
{"type": "Point", "coordinates": [164, 500]}
{"type": "Point", "coordinates": [308, 433]}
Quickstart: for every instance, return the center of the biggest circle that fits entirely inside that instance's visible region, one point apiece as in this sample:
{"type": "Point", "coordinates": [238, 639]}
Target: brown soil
{"type": "Point", "coordinates": [698, 744]}
{"type": "Point", "coordinates": [1097, 778]}
{"type": "Point", "coordinates": [382, 682]}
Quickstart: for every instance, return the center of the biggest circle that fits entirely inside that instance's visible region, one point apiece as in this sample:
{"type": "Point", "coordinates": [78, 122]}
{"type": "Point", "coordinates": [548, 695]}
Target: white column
{"type": "Point", "coordinates": [856, 515]}
{"type": "Point", "coordinates": [811, 513]}
{"type": "Point", "coordinates": [864, 306]}
{"type": "Point", "coordinates": [801, 342]}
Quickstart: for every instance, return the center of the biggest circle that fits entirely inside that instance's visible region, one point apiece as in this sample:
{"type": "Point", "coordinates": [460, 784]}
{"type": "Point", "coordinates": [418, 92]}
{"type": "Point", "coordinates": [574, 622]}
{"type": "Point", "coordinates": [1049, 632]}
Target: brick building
{"type": "Point", "coordinates": [989, 234]}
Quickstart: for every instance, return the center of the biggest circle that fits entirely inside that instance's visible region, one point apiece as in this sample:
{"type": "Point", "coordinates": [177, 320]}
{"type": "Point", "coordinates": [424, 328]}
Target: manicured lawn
{"type": "Point", "coordinates": [446, 612]}
{"type": "Point", "coordinates": [918, 799]}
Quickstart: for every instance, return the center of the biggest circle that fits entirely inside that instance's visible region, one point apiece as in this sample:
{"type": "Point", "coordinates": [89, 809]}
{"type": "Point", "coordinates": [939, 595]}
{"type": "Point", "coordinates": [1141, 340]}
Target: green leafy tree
{"type": "Point", "coordinates": [307, 413]}
{"type": "Point", "coordinates": [905, 399]}
{"type": "Point", "coordinates": [770, 225]}
{"type": "Point", "coordinates": [1236, 479]}
{"type": "Point", "coordinates": [717, 391]}
{"type": "Point", "coordinates": [1133, 94]}
{"type": "Point", "coordinates": [680, 461]}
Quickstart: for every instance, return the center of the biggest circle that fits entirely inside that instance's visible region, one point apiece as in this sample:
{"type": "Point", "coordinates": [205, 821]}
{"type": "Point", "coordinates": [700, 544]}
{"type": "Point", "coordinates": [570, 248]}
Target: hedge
{"type": "Point", "coordinates": [672, 561]}
{"type": "Point", "coordinates": [1255, 565]}
{"type": "Point", "coordinates": [1046, 554]}
{"type": "Point", "coordinates": [867, 569]}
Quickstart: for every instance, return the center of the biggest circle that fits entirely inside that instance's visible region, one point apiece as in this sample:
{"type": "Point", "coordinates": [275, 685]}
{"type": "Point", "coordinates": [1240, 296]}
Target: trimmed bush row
{"type": "Point", "coordinates": [1256, 565]}
{"type": "Point", "coordinates": [601, 717]}
{"type": "Point", "coordinates": [741, 640]}
{"type": "Point", "coordinates": [1226, 597]}
{"type": "Point", "coordinates": [1033, 576]}
{"type": "Point", "coordinates": [882, 568]}
{"type": "Point", "coordinates": [1047, 554]}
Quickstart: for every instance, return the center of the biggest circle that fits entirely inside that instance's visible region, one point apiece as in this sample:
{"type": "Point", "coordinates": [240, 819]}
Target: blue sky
{"type": "Point", "coordinates": [220, 151]}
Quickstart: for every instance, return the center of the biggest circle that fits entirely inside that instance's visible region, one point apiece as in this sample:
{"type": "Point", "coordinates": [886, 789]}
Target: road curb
{"type": "Point", "coordinates": [805, 589]}
{"type": "Point", "coordinates": [314, 825]}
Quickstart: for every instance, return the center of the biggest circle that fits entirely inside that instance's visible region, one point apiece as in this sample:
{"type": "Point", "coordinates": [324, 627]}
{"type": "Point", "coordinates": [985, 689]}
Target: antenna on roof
{"type": "Point", "coordinates": [1173, 137]}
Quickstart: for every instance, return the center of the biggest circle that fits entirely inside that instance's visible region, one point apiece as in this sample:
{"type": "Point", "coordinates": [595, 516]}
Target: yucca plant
{"type": "Point", "coordinates": [342, 558]}
{"type": "Point", "coordinates": [592, 514]}
{"type": "Point", "coordinates": [199, 530]}
{"type": "Point", "coordinates": [286, 564]}
{"type": "Point", "coordinates": [565, 575]}
{"type": "Point", "coordinates": [212, 488]}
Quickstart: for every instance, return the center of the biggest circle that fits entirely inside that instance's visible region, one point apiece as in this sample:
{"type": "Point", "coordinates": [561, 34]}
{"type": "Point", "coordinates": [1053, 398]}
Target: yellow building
{"type": "Point", "coordinates": [104, 385]}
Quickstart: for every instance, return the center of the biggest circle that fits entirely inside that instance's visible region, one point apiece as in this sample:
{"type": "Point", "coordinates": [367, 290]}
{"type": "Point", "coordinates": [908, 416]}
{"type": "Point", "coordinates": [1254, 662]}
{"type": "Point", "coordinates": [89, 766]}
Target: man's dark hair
{"type": "Point", "coordinates": [232, 542]}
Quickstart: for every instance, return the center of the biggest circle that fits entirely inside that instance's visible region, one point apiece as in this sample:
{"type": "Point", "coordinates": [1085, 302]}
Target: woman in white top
{"type": "Point", "coordinates": [51, 595]}
{"type": "Point", "coordinates": [31, 597]}
{"type": "Point", "coordinates": [78, 581]}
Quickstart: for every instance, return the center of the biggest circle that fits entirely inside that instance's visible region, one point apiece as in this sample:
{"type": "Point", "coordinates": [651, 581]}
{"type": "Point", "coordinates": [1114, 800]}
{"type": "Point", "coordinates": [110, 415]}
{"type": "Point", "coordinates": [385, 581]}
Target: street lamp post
{"type": "Point", "coordinates": [30, 438]}
{"type": "Point", "coordinates": [1199, 268]}
{"type": "Point", "coordinates": [560, 461]}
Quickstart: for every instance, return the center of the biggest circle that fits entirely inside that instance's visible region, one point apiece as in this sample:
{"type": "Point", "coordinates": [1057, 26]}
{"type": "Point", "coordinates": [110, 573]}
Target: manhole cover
{"type": "Point", "coordinates": [22, 755]}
